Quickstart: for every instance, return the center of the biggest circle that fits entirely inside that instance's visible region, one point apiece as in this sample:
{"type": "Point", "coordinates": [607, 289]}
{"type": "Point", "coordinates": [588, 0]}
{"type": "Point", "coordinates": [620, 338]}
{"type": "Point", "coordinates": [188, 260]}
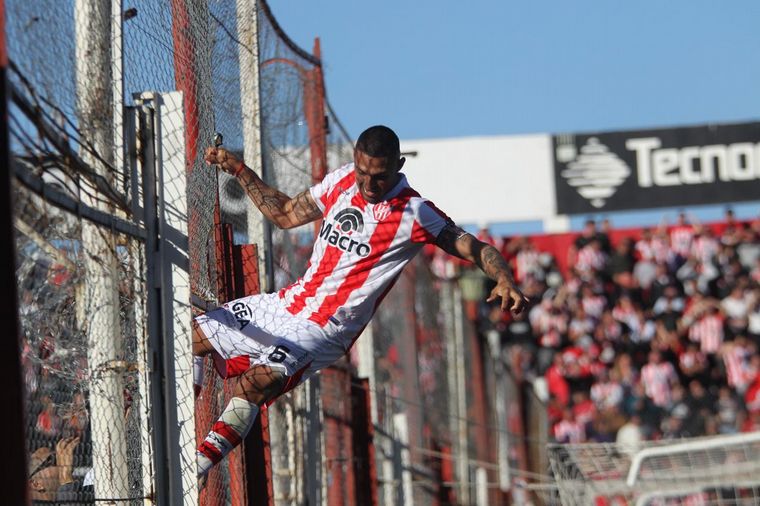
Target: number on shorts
{"type": "Point", "coordinates": [278, 355]}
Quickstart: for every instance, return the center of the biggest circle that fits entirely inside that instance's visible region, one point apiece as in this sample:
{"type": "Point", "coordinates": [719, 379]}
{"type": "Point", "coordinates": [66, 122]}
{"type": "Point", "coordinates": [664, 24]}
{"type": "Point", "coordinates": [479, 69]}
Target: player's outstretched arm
{"type": "Point", "coordinates": [279, 208]}
{"type": "Point", "coordinates": [455, 241]}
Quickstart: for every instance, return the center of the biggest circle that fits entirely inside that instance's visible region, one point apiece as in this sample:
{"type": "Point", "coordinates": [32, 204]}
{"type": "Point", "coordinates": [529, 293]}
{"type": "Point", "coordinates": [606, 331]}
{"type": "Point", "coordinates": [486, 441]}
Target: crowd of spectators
{"type": "Point", "coordinates": [648, 334]}
{"type": "Point", "coordinates": [58, 419]}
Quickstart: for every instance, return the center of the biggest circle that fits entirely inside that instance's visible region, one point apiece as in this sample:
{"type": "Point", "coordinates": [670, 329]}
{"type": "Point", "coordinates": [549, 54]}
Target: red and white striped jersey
{"type": "Point", "coordinates": [657, 380]}
{"type": "Point", "coordinates": [569, 431]}
{"type": "Point", "coordinates": [359, 252]}
{"type": "Point", "coordinates": [708, 332]}
{"type": "Point", "coordinates": [705, 248]}
{"type": "Point", "coordinates": [594, 305]}
{"type": "Point", "coordinates": [607, 394]}
{"type": "Point", "coordinates": [590, 259]}
{"type": "Point", "coordinates": [680, 239]}
{"type": "Point", "coordinates": [736, 361]}
{"type": "Point", "coordinates": [526, 261]}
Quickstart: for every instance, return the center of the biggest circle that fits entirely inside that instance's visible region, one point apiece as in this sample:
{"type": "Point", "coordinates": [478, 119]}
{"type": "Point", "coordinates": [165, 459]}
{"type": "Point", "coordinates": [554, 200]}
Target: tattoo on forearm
{"type": "Point", "coordinates": [484, 255]}
{"type": "Point", "coordinates": [266, 198]}
{"type": "Point", "coordinates": [276, 206]}
{"type": "Point", "coordinates": [493, 264]}
{"type": "Point", "coordinates": [305, 208]}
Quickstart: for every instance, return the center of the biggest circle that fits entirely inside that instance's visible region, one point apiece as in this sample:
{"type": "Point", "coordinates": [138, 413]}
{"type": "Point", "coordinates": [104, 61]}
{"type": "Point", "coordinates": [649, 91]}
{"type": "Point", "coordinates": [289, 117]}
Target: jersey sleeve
{"type": "Point", "coordinates": [428, 223]}
{"type": "Point", "coordinates": [325, 192]}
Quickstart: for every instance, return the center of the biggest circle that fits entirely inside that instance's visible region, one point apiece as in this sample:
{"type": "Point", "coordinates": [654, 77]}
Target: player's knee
{"type": "Point", "coordinates": [260, 384]}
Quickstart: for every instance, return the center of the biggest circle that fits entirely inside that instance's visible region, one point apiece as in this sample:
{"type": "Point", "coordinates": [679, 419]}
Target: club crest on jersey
{"type": "Point", "coordinates": [242, 314]}
{"type": "Point", "coordinates": [339, 233]}
{"type": "Point", "coordinates": [381, 210]}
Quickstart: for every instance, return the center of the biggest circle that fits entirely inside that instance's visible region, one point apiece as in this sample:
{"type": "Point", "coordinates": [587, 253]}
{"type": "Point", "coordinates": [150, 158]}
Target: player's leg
{"type": "Point", "coordinates": [271, 349]}
{"type": "Point", "coordinates": [201, 347]}
{"type": "Point", "coordinates": [256, 386]}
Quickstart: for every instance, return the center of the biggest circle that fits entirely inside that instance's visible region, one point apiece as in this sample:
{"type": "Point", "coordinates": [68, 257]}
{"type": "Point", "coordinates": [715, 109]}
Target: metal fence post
{"type": "Point", "coordinates": [153, 306]}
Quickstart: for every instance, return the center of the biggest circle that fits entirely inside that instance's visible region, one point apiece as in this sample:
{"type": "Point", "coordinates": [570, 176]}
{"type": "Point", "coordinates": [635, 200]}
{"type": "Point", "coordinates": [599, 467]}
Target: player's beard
{"type": "Point", "coordinates": [370, 196]}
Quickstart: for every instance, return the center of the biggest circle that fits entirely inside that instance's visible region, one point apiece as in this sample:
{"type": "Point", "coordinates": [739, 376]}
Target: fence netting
{"type": "Point", "coordinates": [80, 282]}
{"type": "Point", "coordinates": [73, 393]}
{"type": "Point", "coordinates": [414, 418]}
{"type": "Point", "coordinates": [193, 47]}
{"type": "Point", "coordinates": [287, 78]}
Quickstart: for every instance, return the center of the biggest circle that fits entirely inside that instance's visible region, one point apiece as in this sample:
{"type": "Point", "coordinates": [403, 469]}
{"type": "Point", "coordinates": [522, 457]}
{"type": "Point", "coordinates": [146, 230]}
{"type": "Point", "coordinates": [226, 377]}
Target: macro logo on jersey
{"type": "Point", "coordinates": [350, 220]}
{"type": "Point", "coordinates": [340, 232]}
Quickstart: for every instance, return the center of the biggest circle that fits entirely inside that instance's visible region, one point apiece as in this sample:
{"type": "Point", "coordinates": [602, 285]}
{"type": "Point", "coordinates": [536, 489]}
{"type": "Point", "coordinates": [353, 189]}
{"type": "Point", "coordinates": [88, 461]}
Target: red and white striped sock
{"type": "Point", "coordinates": [235, 422]}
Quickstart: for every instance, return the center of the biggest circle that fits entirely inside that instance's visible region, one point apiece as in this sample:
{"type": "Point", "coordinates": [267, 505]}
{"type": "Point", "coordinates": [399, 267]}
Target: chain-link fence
{"type": "Point", "coordinates": [447, 410]}
{"type": "Point", "coordinates": [72, 395]}
{"type": "Point", "coordinates": [79, 279]}
{"type": "Point", "coordinates": [84, 214]}
{"type": "Point", "coordinates": [292, 133]}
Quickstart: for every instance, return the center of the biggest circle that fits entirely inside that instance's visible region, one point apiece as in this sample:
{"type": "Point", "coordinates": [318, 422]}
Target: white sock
{"type": "Point", "coordinates": [198, 370]}
{"type": "Point", "coordinates": [227, 433]}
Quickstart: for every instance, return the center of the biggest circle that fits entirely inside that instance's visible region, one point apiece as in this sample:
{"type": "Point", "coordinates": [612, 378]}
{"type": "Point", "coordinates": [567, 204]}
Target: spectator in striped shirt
{"type": "Point", "coordinates": [705, 245]}
{"type": "Point", "coordinates": [736, 356]}
{"type": "Point", "coordinates": [526, 260]}
{"type": "Point", "coordinates": [681, 236]}
{"type": "Point", "coordinates": [606, 393]}
{"type": "Point", "coordinates": [658, 378]}
{"type": "Point", "coordinates": [594, 304]}
{"type": "Point", "coordinates": [569, 430]}
{"type": "Point", "coordinates": [591, 259]}
{"type": "Point", "coordinates": [707, 329]}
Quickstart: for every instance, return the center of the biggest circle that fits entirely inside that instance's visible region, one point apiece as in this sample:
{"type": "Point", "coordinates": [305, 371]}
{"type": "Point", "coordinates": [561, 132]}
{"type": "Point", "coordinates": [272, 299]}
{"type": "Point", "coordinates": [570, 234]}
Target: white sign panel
{"type": "Point", "coordinates": [483, 180]}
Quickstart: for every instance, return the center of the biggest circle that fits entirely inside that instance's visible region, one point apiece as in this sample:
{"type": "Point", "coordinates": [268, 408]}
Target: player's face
{"type": "Point", "coordinates": [375, 176]}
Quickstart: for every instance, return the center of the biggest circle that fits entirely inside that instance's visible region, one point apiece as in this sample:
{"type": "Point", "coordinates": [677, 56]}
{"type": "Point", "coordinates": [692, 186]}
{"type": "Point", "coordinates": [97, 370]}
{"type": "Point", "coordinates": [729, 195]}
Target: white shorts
{"type": "Point", "coordinates": [258, 330]}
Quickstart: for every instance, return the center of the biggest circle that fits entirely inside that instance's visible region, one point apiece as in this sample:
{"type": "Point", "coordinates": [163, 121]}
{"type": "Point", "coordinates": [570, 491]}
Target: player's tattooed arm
{"type": "Point", "coordinates": [279, 208]}
{"type": "Point", "coordinates": [302, 208]}
{"type": "Point", "coordinates": [276, 206]}
{"type": "Point", "coordinates": [449, 238]}
{"type": "Point", "coordinates": [459, 243]}
{"type": "Point", "coordinates": [455, 241]}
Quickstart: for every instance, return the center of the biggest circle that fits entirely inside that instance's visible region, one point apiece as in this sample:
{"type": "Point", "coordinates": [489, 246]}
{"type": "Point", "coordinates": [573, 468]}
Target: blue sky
{"type": "Point", "coordinates": [448, 69]}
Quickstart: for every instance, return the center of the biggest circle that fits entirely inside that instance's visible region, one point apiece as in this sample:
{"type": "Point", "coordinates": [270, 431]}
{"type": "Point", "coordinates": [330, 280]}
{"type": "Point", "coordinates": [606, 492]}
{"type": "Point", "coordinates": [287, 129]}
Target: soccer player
{"type": "Point", "coordinates": [373, 224]}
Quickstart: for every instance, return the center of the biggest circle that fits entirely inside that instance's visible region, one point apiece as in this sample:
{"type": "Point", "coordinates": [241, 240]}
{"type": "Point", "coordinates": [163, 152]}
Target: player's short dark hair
{"type": "Point", "coordinates": [379, 142]}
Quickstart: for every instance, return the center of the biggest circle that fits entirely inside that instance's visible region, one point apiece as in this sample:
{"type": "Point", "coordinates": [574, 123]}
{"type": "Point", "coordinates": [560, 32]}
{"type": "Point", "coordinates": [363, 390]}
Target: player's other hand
{"type": "Point", "coordinates": [512, 299]}
{"type": "Point", "coordinates": [224, 160]}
